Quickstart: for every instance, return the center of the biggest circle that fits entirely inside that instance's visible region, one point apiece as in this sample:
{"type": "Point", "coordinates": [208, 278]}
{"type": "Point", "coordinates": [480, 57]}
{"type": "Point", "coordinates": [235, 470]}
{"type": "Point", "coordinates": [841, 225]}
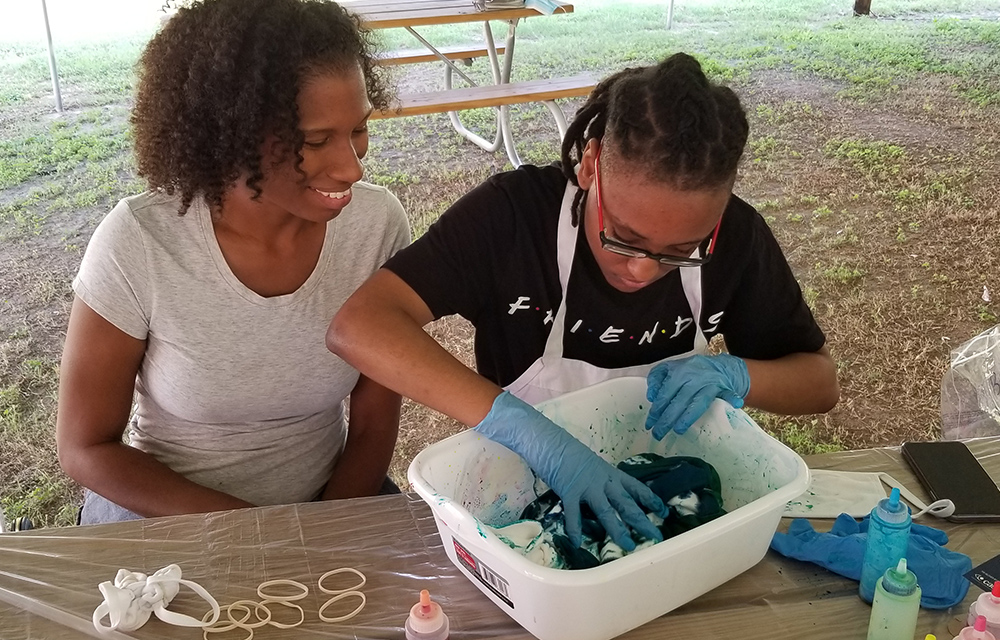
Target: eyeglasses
{"type": "Point", "coordinates": [622, 249]}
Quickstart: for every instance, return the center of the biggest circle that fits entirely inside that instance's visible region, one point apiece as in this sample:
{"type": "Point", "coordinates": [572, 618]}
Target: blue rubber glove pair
{"type": "Point", "coordinates": [682, 390]}
{"type": "Point", "coordinates": [939, 571]}
{"type": "Point", "coordinates": [574, 472]}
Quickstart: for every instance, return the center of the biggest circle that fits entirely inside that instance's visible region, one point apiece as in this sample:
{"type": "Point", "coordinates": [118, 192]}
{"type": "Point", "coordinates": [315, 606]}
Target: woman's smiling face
{"type": "Point", "coordinates": [333, 111]}
{"type": "Point", "coordinates": [641, 212]}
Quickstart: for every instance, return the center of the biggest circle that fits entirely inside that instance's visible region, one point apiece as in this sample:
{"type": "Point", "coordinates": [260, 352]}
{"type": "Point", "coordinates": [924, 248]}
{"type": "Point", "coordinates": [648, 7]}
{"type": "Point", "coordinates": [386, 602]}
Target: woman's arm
{"type": "Point", "coordinates": [371, 437]}
{"type": "Point", "coordinates": [379, 331]}
{"type": "Point", "coordinates": [682, 390]}
{"type": "Point", "coordinates": [795, 384]}
{"type": "Point", "coordinates": [96, 385]}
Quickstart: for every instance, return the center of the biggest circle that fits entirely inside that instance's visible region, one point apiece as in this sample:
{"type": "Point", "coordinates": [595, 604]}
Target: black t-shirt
{"type": "Point", "coordinates": [491, 258]}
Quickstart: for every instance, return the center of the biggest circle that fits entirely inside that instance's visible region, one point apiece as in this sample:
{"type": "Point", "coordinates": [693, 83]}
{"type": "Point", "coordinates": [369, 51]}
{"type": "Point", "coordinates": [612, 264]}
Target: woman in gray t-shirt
{"type": "Point", "coordinates": [251, 123]}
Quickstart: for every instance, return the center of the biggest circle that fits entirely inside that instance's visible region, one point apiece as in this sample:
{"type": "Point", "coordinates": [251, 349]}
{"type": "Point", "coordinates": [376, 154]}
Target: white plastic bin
{"type": "Point", "coordinates": [469, 480]}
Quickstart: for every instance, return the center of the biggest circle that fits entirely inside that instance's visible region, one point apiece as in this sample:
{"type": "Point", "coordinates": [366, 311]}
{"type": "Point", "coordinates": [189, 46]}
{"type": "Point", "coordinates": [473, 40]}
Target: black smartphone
{"type": "Point", "coordinates": [947, 469]}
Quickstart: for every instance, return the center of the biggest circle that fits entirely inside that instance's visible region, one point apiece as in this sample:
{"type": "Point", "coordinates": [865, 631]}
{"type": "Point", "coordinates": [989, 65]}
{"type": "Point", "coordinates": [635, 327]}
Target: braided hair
{"type": "Point", "coordinates": [669, 119]}
{"type": "Point", "coordinates": [222, 75]}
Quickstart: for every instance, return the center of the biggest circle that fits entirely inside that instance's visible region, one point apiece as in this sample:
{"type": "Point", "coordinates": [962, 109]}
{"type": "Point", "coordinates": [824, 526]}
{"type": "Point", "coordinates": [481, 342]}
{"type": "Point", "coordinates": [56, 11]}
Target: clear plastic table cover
{"type": "Point", "coordinates": [49, 577]}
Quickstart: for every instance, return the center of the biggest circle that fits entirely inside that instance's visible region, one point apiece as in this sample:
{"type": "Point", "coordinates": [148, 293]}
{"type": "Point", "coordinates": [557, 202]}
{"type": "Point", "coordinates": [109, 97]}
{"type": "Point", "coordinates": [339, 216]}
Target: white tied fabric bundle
{"type": "Point", "coordinates": [134, 596]}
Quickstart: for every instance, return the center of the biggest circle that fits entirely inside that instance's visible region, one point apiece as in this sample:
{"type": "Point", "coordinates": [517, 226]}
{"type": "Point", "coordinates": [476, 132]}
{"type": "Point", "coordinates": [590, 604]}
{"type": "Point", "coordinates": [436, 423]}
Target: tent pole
{"type": "Point", "coordinates": [52, 60]}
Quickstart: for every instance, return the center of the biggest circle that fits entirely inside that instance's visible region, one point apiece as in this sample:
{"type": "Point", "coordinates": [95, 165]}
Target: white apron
{"type": "Point", "coordinates": [552, 374]}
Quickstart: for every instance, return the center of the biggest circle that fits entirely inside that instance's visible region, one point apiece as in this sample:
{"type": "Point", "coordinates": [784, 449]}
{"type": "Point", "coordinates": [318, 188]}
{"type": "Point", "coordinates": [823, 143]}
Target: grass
{"type": "Point", "coordinates": [873, 152]}
{"type": "Point", "coordinates": [33, 485]}
{"type": "Point", "coordinates": [804, 437]}
{"type": "Point", "coordinates": [62, 148]}
{"type": "Point", "coordinates": [838, 273]}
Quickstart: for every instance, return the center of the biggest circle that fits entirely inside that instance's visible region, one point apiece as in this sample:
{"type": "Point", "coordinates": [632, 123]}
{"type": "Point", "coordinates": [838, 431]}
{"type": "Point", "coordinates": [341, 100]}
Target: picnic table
{"type": "Point", "coordinates": [49, 577]}
{"type": "Point", "coordinates": [411, 14]}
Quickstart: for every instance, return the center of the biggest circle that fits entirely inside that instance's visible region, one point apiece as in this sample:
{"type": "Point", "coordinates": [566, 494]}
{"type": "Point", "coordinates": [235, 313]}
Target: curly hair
{"type": "Point", "coordinates": [222, 75]}
{"type": "Point", "coordinates": [669, 118]}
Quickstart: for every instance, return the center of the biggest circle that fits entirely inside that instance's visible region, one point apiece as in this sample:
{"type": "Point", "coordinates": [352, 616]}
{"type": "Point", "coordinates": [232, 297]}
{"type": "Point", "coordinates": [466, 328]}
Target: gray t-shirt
{"type": "Point", "coordinates": [236, 392]}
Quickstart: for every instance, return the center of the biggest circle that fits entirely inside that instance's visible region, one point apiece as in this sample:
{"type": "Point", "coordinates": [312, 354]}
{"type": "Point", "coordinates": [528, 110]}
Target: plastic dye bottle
{"type": "Point", "coordinates": [976, 632]}
{"type": "Point", "coordinates": [988, 605]}
{"type": "Point", "coordinates": [427, 621]}
{"type": "Point", "coordinates": [888, 537]}
{"type": "Point", "coordinates": [896, 605]}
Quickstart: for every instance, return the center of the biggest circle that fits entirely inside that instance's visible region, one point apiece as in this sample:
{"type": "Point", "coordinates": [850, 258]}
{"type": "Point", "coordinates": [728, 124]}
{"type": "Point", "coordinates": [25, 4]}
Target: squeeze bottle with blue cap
{"type": "Point", "coordinates": [896, 605]}
{"type": "Point", "coordinates": [988, 605]}
{"type": "Point", "coordinates": [427, 621]}
{"type": "Point", "coordinates": [888, 537]}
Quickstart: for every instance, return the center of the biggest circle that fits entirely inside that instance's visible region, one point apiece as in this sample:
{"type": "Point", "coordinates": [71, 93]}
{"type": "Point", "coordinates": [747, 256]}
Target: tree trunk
{"type": "Point", "coordinates": [862, 7]}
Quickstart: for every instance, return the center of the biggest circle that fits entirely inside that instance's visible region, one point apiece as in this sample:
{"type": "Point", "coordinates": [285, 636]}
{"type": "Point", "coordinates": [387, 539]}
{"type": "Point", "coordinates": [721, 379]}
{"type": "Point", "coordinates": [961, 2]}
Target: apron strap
{"type": "Point", "coordinates": [691, 283]}
{"type": "Point", "coordinates": [565, 252]}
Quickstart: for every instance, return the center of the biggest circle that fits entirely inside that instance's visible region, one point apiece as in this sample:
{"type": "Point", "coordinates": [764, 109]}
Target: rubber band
{"type": "Point", "coordinates": [232, 625]}
{"type": "Point", "coordinates": [182, 620]}
{"type": "Point", "coordinates": [277, 598]}
{"type": "Point", "coordinates": [261, 621]}
{"type": "Point", "coordinates": [243, 605]}
{"type": "Point", "coordinates": [216, 628]}
{"type": "Point", "coordinates": [319, 583]}
{"type": "Point", "coordinates": [341, 596]}
{"type": "Point", "coordinates": [205, 631]}
{"type": "Point", "coordinates": [290, 605]}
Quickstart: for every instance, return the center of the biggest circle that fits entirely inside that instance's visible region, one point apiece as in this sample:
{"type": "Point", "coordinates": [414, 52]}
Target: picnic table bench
{"type": "Point", "coordinates": [464, 53]}
{"type": "Point", "coordinates": [497, 95]}
{"type": "Point", "coordinates": [408, 14]}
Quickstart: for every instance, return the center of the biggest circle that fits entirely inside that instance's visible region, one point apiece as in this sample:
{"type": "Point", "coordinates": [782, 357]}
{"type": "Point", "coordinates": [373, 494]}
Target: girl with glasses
{"type": "Point", "coordinates": [626, 259]}
{"type": "Point", "coordinates": [208, 296]}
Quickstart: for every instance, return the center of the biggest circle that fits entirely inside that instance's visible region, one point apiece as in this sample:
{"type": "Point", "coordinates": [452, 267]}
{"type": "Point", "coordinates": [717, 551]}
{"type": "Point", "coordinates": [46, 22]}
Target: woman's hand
{"type": "Point", "coordinates": [371, 438]}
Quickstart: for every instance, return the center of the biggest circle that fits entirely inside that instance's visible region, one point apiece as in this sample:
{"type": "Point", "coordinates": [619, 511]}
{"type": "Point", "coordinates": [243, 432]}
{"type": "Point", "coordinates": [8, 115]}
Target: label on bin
{"type": "Point", "coordinates": [487, 576]}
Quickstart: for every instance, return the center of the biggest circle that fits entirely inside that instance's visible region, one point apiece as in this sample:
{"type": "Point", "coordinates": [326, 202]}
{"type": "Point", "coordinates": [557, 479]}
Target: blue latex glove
{"type": "Point", "coordinates": [682, 390]}
{"type": "Point", "coordinates": [939, 570]}
{"type": "Point", "coordinates": [574, 472]}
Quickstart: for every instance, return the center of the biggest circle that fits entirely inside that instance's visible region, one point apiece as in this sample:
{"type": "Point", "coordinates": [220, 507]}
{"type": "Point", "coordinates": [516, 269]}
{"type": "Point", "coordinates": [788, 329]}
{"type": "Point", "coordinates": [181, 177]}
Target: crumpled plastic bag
{"type": "Point", "coordinates": [940, 571]}
{"type": "Point", "coordinates": [970, 389]}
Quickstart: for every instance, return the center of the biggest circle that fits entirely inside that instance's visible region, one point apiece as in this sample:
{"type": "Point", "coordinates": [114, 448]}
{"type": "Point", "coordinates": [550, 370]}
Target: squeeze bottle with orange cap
{"type": "Point", "coordinates": [427, 621]}
{"type": "Point", "coordinates": [976, 632]}
{"type": "Point", "coordinates": [988, 605]}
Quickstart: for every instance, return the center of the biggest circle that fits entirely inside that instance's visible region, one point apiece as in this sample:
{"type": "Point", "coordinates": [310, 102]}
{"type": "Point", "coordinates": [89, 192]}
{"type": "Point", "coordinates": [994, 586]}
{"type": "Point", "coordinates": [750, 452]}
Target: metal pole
{"type": "Point", "coordinates": [52, 60]}
{"type": "Point", "coordinates": [670, 14]}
